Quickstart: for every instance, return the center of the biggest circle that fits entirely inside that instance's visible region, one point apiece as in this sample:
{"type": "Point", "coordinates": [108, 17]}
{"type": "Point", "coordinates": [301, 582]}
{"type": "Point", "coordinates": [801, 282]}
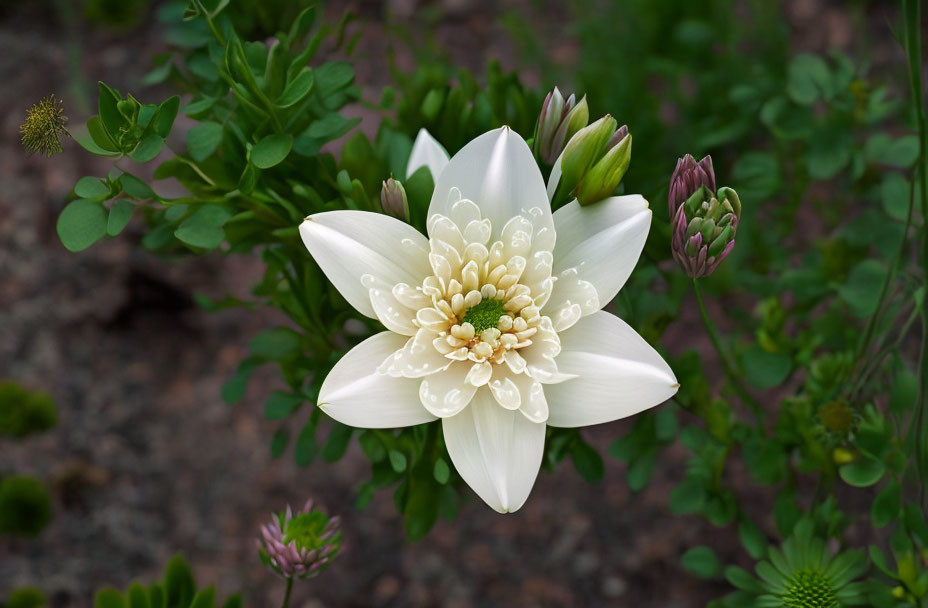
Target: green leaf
{"type": "Point", "coordinates": [765, 370]}
{"type": "Point", "coordinates": [166, 115]}
{"type": "Point", "coordinates": [421, 510]}
{"type": "Point", "coordinates": [397, 460]}
{"type": "Point", "coordinates": [203, 140]}
{"type": "Point", "coordinates": [419, 189]}
{"type": "Point", "coordinates": [205, 598]}
{"type": "Point", "coordinates": [441, 471]}
{"type": "Point", "coordinates": [886, 505]}
{"type": "Point", "coordinates": [306, 446]}
{"type": "Point", "coordinates": [279, 442]}
{"type": "Point", "coordinates": [200, 106]}
{"type": "Point", "coordinates": [331, 126]}
{"type": "Point", "coordinates": [587, 461]}
{"type": "Point", "coordinates": [862, 473]}
{"type": "Point", "coordinates": [92, 188]}
{"type": "Point", "coordinates": [332, 77]}
{"type": "Point", "coordinates": [204, 227]}
{"type": "Point", "coordinates": [271, 150]}
{"type": "Point", "coordinates": [179, 586]}
{"type": "Point", "coordinates": [109, 113]}
{"type": "Point", "coordinates": [276, 344]}
{"type": "Point", "coordinates": [148, 148]}
{"type": "Point", "coordinates": [904, 392]}
{"type": "Point", "coordinates": [135, 187]}
{"type": "Point", "coordinates": [297, 89]}
{"type": "Point", "coordinates": [884, 150]}
{"type": "Point", "coordinates": [81, 224]}
{"type": "Point", "coordinates": [861, 292]}
{"type": "Point", "coordinates": [752, 538]}
{"type": "Point", "coordinates": [808, 79]}
{"type": "Point", "coordinates": [120, 214]}
{"type": "Point", "coordinates": [640, 469]}
{"type": "Point", "coordinates": [336, 443]}
{"type": "Point", "coordinates": [109, 598]}
{"type": "Point", "coordinates": [702, 562]}
{"type": "Point", "coordinates": [234, 389]}
{"type": "Point", "coordinates": [281, 404]}
{"type": "Point", "coordinates": [138, 597]}
{"type": "Point", "coordinates": [894, 194]}
{"type": "Point", "coordinates": [688, 497]}
{"type": "Point", "coordinates": [100, 137]}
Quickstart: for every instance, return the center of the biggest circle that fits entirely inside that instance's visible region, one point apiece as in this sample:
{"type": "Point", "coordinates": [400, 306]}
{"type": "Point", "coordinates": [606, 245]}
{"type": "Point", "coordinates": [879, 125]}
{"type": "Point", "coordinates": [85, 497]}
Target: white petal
{"type": "Point", "coordinates": [395, 315]}
{"type": "Point", "coordinates": [350, 244]}
{"type": "Point", "coordinates": [498, 172]}
{"type": "Point", "coordinates": [603, 241]}
{"type": "Point", "coordinates": [571, 298]}
{"type": "Point", "coordinates": [497, 451]}
{"type": "Point", "coordinates": [354, 393]}
{"type": "Point", "coordinates": [417, 358]}
{"type": "Point", "coordinates": [426, 152]}
{"type": "Point", "coordinates": [618, 374]}
{"type": "Point", "coordinates": [446, 393]}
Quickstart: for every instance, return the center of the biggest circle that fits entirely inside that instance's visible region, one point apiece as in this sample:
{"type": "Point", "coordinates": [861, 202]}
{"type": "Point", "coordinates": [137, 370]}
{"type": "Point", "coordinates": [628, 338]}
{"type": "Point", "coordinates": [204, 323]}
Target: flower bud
{"type": "Point", "coordinates": [687, 178]}
{"type": "Point", "coordinates": [558, 122]}
{"type": "Point", "coordinates": [592, 165]}
{"type": "Point", "coordinates": [604, 177]}
{"type": "Point", "coordinates": [393, 199]}
{"type": "Point", "coordinates": [704, 228]}
{"type": "Point", "coordinates": [301, 545]}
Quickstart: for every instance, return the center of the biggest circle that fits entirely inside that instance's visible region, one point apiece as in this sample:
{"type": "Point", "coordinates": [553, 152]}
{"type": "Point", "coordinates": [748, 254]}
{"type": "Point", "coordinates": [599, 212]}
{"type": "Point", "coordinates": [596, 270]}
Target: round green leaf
{"type": "Point", "coordinates": [702, 562]}
{"type": "Point", "coordinates": [397, 461]}
{"type": "Point", "coordinates": [91, 187]}
{"type": "Point", "coordinates": [81, 224]}
{"type": "Point", "coordinates": [862, 473]}
{"type": "Point", "coordinates": [765, 370]}
{"type": "Point", "coordinates": [120, 214]}
{"type": "Point", "coordinates": [271, 150]}
{"type": "Point", "coordinates": [441, 471]}
{"type": "Point", "coordinates": [203, 140]}
{"type": "Point", "coordinates": [204, 227]}
{"type": "Point", "coordinates": [297, 90]}
{"type": "Point", "coordinates": [148, 148]}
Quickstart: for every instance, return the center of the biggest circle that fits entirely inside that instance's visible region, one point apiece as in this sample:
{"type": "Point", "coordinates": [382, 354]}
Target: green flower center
{"type": "Point", "coordinates": [305, 529]}
{"type": "Point", "coordinates": [485, 314]}
{"type": "Point", "coordinates": [809, 589]}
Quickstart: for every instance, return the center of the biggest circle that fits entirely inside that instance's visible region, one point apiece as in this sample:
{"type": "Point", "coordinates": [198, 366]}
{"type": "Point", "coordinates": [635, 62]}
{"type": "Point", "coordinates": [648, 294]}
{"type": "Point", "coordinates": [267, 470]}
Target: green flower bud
{"type": "Point", "coordinates": [583, 150]}
{"type": "Point", "coordinates": [704, 228]}
{"type": "Point", "coordinates": [602, 180]}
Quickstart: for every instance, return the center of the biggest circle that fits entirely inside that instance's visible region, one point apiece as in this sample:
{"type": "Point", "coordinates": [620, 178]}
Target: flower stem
{"type": "Point", "coordinates": [730, 373]}
{"type": "Point", "coordinates": [286, 603]}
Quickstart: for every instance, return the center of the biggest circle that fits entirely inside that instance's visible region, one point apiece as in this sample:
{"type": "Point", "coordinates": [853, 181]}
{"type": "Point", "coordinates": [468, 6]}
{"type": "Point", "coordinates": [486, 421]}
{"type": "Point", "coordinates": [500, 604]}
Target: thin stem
{"type": "Point", "coordinates": [286, 603]}
{"type": "Point", "coordinates": [730, 373]}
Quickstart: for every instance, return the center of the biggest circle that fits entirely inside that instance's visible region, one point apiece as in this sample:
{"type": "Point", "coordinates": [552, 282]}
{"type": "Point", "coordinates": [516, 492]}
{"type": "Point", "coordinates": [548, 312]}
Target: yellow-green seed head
{"type": "Point", "coordinates": [44, 126]}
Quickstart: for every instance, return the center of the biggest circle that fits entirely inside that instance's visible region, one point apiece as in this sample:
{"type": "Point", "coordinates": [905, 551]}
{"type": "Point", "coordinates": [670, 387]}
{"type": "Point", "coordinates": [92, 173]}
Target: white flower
{"type": "Point", "coordinates": [494, 327]}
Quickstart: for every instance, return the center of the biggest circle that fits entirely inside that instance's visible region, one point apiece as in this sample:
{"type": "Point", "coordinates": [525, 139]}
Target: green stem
{"type": "Point", "coordinates": [286, 603]}
{"type": "Point", "coordinates": [730, 373]}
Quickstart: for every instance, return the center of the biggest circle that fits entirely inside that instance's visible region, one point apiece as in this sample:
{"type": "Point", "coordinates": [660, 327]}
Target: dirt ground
{"type": "Point", "coordinates": [148, 461]}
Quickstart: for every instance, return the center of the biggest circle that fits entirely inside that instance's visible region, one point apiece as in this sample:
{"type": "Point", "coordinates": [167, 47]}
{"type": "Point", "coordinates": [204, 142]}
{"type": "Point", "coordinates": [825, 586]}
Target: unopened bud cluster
{"type": "Point", "coordinates": [300, 545]}
{"type": "Point", "coordinates": [704, 220]}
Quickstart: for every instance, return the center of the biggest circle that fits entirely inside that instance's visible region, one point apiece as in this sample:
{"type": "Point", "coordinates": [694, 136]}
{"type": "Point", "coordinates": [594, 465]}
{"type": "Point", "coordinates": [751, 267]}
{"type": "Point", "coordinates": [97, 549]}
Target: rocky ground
{"type": "Point", "coordinates": [148, 461]}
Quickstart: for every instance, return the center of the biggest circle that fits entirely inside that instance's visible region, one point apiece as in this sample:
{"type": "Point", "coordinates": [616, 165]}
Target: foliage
{"type": "Point", "coordinates": [25, 507]}
{"type": "Point", "coordinates": [24, 412]}
{"type": "Point", "coordinates": [178, 589]}
{"type": "Point", "coordinates": [25, 597]}
{"type": "Point", "coordinates": [820, 358]}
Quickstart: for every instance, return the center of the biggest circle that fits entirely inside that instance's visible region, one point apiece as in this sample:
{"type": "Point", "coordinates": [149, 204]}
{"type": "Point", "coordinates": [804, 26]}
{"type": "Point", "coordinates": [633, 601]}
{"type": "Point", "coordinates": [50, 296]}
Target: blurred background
{"type": "Point", "coordinates": [146, 460]}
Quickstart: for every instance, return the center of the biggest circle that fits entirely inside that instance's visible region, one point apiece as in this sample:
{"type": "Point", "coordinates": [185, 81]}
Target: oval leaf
{"type": "Point", "coordinates": [271, 150]}
{"type": "Point", "coordinates": [81, 224]}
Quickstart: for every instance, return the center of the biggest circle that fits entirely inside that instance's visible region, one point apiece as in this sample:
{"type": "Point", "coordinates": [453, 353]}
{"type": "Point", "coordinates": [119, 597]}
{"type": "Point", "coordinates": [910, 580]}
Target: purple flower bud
{"type": "Point", "coordinates": [299, 545]}
{"type": "Point", "coordinates": [687, 178]}
{"type": "Point", "coordinates": [704, 228]}
{"type": "Point", "coordinates": [558, 121]}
